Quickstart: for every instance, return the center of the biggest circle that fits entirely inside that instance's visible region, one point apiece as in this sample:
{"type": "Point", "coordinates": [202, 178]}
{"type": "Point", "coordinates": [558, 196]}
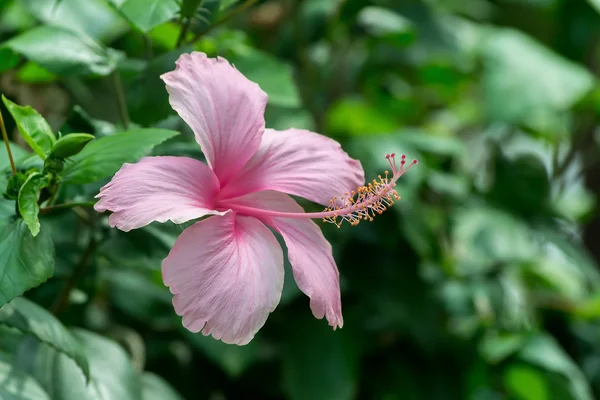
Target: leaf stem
{"type": "Point", "coordinates": [66, 206]}
{"type": "Point", "coordinates": [62, 301]}
{"type": "Point", "coordinates": [8, 150]}
{"type": "Point", "coordinates": [237, 10]}
{"type": "Point", "coordinates": [121, 101]}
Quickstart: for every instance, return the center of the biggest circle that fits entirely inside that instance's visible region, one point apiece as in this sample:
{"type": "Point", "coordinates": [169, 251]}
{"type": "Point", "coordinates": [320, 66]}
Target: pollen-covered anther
{"type": "Point", "coordinates": [370, 200]}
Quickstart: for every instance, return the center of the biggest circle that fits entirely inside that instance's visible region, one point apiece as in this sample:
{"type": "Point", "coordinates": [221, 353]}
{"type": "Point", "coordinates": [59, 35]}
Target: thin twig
{"type": "Point", "coordinates": [185, 27]}
{"type": "Point", "coordinates": [62, 301]}
{"type": "Point", "coordinates": [121, 101]}
{"type": "Point", "coordinates": [237, 10]}
{"type": "Point", "coordinates": [66, 206]}
{"type": "Point", "coordinates": [8, 150]}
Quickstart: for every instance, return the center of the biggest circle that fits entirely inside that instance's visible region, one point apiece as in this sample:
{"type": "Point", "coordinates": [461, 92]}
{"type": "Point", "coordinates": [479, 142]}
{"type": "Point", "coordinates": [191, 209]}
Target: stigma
{"type": "Point", "coordinates": [370, 200]}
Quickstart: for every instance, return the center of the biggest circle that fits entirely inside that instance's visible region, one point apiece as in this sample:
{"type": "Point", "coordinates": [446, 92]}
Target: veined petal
{"type": "Point", "coordinates": [224, 109]}
{"type": "Point", "coordinates": [228, 272]}
{"type": "Point", "coordinates": [298, 162]}
{"type": "Point", "coordinates": [310, 254]}
{"type": "Point", "coordinates": [159, 189]}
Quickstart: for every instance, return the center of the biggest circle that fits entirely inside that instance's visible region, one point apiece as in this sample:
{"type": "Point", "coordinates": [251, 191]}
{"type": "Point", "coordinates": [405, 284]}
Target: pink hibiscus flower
{"type": "Point", "coordinates": [226, 271]}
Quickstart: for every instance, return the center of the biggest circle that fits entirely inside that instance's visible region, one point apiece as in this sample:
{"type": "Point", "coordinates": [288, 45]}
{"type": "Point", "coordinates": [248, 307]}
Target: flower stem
{"type": "Point", "coordinates": [66, 206]}
{"type": "Point", "coordinates": [8, 150]}
{"type": "Point", "coordinates": [121, 101]}
{"type": "Point", "coordinates": [237, 10]}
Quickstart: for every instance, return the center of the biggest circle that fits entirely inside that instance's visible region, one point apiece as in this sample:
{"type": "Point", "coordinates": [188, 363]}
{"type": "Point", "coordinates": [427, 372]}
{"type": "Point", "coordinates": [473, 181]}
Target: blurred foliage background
{"type": "Point", "coordinates": [482, 283]}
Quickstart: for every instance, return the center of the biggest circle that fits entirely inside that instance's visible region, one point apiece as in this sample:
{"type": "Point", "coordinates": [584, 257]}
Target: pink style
{"type": "Point", "coordinates": [226, 271]}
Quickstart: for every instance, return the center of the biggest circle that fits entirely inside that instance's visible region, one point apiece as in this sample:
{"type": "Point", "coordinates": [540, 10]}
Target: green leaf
{"type": "Point", "coordinates": [526, 383]}
{"type": "Point", "coordinates": [94, 18]}
{"type": "Point", "coordinates": [28, 200]}
{"type": "Point", "coordinates": [16, 385]}
{"type": "Point", "coordinates": [356, 117]}
{"type": "Point", "coordinates": [25, 261]}
{"type": "Point", "coordinates": [29, 318]}
{"type": "Point", "coordinates": [17, 152]}
{"type": "Point", "coordinates": [384, 23]}
{"type": "Point", "coordinates": [544, 352]}
{"type": "Point", "coordinates": [225, 4]}
{"type": "Point", "coordinates": [33, 127]}
{"type": "Point", "coordinates": [146, 14]}
{"type": "Point", "coordinates": [527, 83]}
{"type": "Point", "coordinates": [70, 144]}
{"type": "Point", "coordinates": [156, 388]}
{"type": "Point", "coordinates": [233, 360]}
{"type": "Point", "coordinates": [319, 363]}
{"type": "Point", "coordinates": [112, 374]}
{"type": "Point", "coordinates": [103, 157]}
{"type": "Point", "coordinates": [33, 73]}
{"type": "Point", "coordinates": [272, 75]}
{"type": "Point", "coordinates": [65, 52]}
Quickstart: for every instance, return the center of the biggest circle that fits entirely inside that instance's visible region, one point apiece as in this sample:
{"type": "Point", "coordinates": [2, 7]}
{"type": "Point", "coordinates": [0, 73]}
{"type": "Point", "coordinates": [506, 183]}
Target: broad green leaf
{"type": "Point", "coordinates": [544, 352]}
{"type": "Point", "coordinates": [16, 385]}
{"type": "Point", "coordinates": [70, 144]}
{"type": "Point", "coordinates": [65, 52]}
{"type": "Point", "coordinates": [319, 363]}
{"type": "Point", "coordinates": [94, 18]}
{"type": "Point", "coordinates": [28, 200]}
{"type": "Point", "coordinates": [112, 374]}
{"type": "Point", "coordinates": [29, 318]}
{"type": "Point", "coordinates": [497, 347]}
{"type": "Point", "coordinates": [387, 24]}
{"type": "Point", "coordinates": [33, 127]}
{"type": "Point", "coordinates": [233, 360]}
{"type": "Point", "coordinates": [156, 388]}
{"type": "Point", "coordinates": [103, 157]}
{"type": "Point", "coordinates": [33, 73]}
{"type": "Point", "coordinates": [8, 59]}
{"type": "Point", "coordinates": [189, 7]}
{"type": "Point", "coordinates": [146, 14]}
{"type": "Point", "coordinates": [526, 383]}
{"type": "Point", "coordinates": [526, 82]}
{"type": "Point", "coordinates": [272, 75]}
{"type": "Point", "coordinates": [356, 117]}
{"type": "Point", "coordinates": [25, 261]}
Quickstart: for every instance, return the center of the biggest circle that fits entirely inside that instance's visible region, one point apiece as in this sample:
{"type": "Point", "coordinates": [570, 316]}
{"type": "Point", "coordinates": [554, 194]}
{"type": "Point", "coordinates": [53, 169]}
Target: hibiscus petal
{"type": "Point", "coordinates": [309, 253]}
{"type": "Point", "coordinates": [228, 272]}
{"type": "Point", "coordinates": [301, 163]}
{"type": "Point", "coordinates": [159, 189]}
{"type": "Point", "coordinates": [224, 109]}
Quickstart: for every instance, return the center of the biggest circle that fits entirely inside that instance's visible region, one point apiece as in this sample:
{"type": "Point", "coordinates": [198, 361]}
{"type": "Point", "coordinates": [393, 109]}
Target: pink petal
{"type": "Point", "coordinates": [228, 272]}
{"type": "Point", "coordinates": [298, 162]}
{"type": "Point", "coordinates": [224, 109]}
{"type": "Point", "coordinates": [159, 189]}
{"type": "Point", "coordinates": [309, 253]}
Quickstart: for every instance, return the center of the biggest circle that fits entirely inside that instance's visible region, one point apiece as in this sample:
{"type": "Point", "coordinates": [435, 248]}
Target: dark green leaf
{"type": "Point", "coordinates": [233, 360]}
{"type": "Point", "coordinates": [70, 144]}
{"type": "Point", "coordinates": [146, 14]}
{"type": "Point", "coordinates": [272, 75]}
{"type": "Point", "coordinates": [65, 52]}
{"type": "Point", "coordinates": [28, 200]}
{"type": "Point", "coordinates": [103, 157]}
{"type": "Point", "coordinates": [33, 127]}
{"type": "Point", "coordinates": [25, 261]}
{"type": "Point", "coordinates": [16, 385]}
{"type": "Point", "coordinates": [29, 318]}
{"type": "Point", "coordinates": [156, 388]}
{"type": "Point", "coordinates": [319, 363]}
